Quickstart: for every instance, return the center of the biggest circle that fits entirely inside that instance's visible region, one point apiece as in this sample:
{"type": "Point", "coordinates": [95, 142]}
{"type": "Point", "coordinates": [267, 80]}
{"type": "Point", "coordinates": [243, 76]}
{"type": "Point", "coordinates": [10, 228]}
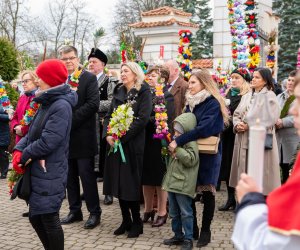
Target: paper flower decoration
{"type": "Point", "coordinates": [161, 119]}
{"type": "Point", "coordinates": [29, 114]}
{"type": "Point", "coordinates": [221, 77]}
{"type": "Point", "coordinates": [238, 30]}
{"type": "Point", "coordinates": [185, 53]}
{"type": "Point", "coordinates": [4, 99]}
{"type": "Point", "coordinates": [253, 39]}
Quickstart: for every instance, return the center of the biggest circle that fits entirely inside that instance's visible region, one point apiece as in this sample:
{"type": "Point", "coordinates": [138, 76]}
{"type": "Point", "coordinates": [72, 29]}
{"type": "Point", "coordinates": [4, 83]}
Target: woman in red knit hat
{"type": "Point", "coordinates": [275, 223]}
{"type": "Point", "coordinates": [47, 146]}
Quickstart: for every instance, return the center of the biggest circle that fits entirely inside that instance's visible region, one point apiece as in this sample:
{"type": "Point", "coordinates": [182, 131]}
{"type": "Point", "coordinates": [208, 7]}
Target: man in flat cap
{"type": "Point", "coordinates": [97, 61]}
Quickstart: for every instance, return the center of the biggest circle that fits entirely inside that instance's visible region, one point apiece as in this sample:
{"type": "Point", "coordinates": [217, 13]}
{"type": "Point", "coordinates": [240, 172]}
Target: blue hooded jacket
{"type": "Point", "coordinates": [48, 140]}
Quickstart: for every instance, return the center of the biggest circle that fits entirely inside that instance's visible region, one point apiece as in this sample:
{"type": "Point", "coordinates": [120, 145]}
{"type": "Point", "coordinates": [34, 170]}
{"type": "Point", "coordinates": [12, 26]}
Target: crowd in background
{"type": "Point", "coordinates": [67, 141]}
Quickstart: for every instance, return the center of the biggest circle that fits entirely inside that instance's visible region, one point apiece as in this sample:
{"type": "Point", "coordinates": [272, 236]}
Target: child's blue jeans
{"type": "Point", "coordinates": [181, 212]}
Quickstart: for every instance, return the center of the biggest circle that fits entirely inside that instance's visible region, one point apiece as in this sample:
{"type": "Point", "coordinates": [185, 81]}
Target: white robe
{"type": "Point", "coordinates": [251, 231]}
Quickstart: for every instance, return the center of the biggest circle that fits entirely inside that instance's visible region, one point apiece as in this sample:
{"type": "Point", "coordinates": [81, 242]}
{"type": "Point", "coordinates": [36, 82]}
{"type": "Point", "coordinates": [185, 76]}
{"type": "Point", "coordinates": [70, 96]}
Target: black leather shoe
{"type": "Point", "coordinates": [93, 221]}
{"type": "Point", "coordinates": [204, 239]}
{"type": "Point", "coordinates": [26, 214]}
{"type": "Point", "coordinates": [136, 229]}
{"type": "Point", "coordinates": [71, 217]}
{"type": "Point", "coordinates": [187, 245]}
{"type": "Point", "coordinates": [173, 241]}
{"type": "Point", "coordinates": [108, 200]}
{"type": "Point", "coordinates": [125, 226]}
{"type": "Point", "coordinates": [229, 205]}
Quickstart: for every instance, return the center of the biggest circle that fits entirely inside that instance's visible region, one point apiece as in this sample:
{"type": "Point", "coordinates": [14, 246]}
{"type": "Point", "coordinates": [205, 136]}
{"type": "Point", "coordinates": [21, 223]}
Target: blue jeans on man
{"type": "Point", "coordinates": [181, 212]}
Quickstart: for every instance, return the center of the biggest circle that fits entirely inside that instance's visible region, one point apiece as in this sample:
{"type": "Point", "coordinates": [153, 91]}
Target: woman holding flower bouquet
{"type": "Point", "coordinates": [126, 138]}
{"type": "Point", "coordinates": [47, 147]}
{"type": "Point", "coordinates": [154, 167]}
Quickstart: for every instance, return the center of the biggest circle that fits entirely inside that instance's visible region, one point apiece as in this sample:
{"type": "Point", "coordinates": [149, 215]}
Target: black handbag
{"type": "Point", "coordinates": [269, 141]}
{"type": "Point", "coordinates": [22, 188]}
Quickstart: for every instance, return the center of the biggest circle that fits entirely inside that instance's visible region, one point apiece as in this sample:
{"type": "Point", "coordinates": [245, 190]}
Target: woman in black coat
{"type": "Point", "coordinates": [239, 87]}
{"type": "Point", "coordinates": [123, 180]}
{"type": "Point", "coordinates": [47, 146]}
{"type": "Point", "coordinates": [154, 167]}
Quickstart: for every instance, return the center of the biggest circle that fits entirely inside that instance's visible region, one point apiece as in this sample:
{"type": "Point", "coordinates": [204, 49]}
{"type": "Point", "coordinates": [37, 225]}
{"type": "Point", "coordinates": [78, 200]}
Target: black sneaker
{"type": "Point", "coordinates": [173, 241]}
{"type": "Point", "coordinates": [187, 245]}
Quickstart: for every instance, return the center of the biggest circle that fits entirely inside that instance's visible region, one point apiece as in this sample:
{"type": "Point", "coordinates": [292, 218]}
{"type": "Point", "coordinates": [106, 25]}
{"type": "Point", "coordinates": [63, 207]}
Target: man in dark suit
{"type": "Point", "coordinates": [177, 86]}
{"type": "Point", "coordinates": [83, 144]}
{"type": "Point", "coordinates": [97, 61]}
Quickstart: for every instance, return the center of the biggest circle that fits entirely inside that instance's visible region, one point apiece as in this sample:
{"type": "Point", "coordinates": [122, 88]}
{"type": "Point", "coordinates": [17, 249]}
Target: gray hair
{"type": "Point", "coordinates": [136, 69]}
{"type": "Point", "coordinates": [173, 63]}
{"type": "Point", "coordinates": [67, 49]}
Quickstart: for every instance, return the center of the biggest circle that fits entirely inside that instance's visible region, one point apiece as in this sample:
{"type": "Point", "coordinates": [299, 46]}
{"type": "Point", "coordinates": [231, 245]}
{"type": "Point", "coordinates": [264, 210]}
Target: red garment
{"type": "Point", "coordinates": [53, 72]}
{"type": "Point", "coordinates": [284, 205]}
{"type": "Point", "coordinates": [22, 106]}
{"type": "Point", "coordinates": [16, 161]}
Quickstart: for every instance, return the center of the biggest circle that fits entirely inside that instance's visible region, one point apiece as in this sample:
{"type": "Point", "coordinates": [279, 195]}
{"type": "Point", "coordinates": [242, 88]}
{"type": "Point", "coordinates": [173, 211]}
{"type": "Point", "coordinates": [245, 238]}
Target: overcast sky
{"type": "Point", "coordinates": [101, 9]}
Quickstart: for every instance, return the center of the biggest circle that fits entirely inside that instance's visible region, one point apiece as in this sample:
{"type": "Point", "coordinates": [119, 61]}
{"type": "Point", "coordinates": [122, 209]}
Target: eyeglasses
{"type": "Point", "coordinates": [26, 81]}
{"type": "Point", "coordinates": [68, 58]}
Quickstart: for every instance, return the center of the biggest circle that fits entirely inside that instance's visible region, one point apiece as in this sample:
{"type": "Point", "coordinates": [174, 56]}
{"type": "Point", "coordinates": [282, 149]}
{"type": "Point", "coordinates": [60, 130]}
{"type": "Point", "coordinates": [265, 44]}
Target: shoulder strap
{"type": "Point", "coordinates": [40, 125]}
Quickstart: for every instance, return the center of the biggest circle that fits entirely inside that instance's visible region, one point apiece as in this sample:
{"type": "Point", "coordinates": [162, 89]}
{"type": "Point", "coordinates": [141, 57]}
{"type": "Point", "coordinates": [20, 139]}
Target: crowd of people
{"type": "Point", "coordinates": [65, 137]}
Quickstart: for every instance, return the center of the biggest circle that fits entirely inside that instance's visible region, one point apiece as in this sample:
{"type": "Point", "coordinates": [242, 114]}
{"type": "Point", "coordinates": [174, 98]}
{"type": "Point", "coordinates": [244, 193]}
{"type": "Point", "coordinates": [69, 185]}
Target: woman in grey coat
{"type": "Point", "coordinates": [261, 86]}
{"type": "Point", "coordinates": [286, 133]}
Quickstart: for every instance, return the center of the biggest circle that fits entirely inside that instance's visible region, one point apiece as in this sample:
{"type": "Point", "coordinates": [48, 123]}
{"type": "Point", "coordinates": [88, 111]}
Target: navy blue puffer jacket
{"type": "Point", "coordinates": [4, 128]}
{"type": "Point", "coordinates": [48, 140]}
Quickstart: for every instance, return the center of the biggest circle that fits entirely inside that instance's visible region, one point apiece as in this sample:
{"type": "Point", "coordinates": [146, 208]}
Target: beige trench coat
{"type": "Point", "coordinates": [271, 179]}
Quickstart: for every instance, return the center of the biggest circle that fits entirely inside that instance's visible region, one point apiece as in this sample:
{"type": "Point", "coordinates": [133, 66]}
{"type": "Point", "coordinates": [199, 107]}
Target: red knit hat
{"type": "Point", "coordinates": [53, 72]}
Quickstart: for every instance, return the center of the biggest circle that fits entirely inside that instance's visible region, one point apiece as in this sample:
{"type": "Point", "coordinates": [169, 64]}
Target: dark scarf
{"type": "Point", "coordinates": [30, 93]}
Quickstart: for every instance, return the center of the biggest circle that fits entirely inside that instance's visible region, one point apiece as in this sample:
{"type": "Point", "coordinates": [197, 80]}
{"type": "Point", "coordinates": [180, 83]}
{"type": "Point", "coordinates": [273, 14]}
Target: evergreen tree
{"type": "Point", "coordinates": [288, 35]}
{"type": "Point", "coordinates": [9, 65]}
{"type": "Point", "coordinates": [203, 41]}
{"type": "Point", "coordinates": [201, 14]}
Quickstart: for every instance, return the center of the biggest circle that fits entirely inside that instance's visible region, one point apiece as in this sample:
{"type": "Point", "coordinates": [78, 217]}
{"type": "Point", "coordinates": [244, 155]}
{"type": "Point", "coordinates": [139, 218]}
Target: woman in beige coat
{"type": "Point", "coordinates": [261, 85]}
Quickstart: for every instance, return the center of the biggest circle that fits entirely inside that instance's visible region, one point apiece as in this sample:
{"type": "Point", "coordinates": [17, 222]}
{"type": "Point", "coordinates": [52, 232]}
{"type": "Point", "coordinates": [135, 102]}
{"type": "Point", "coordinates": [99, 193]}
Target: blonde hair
{"type": "Point", "coordinates": [207, 81]}
{"type": "Point", "coordinates": [245, 88]}
{"type": "Point", "coordinates": [136, 69]}
{"type": "Point", "coordinates": [32, 74]}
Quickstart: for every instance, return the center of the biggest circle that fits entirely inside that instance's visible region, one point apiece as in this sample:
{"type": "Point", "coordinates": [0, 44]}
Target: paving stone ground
{"type": "Point", "coordinates": [16, 232]}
